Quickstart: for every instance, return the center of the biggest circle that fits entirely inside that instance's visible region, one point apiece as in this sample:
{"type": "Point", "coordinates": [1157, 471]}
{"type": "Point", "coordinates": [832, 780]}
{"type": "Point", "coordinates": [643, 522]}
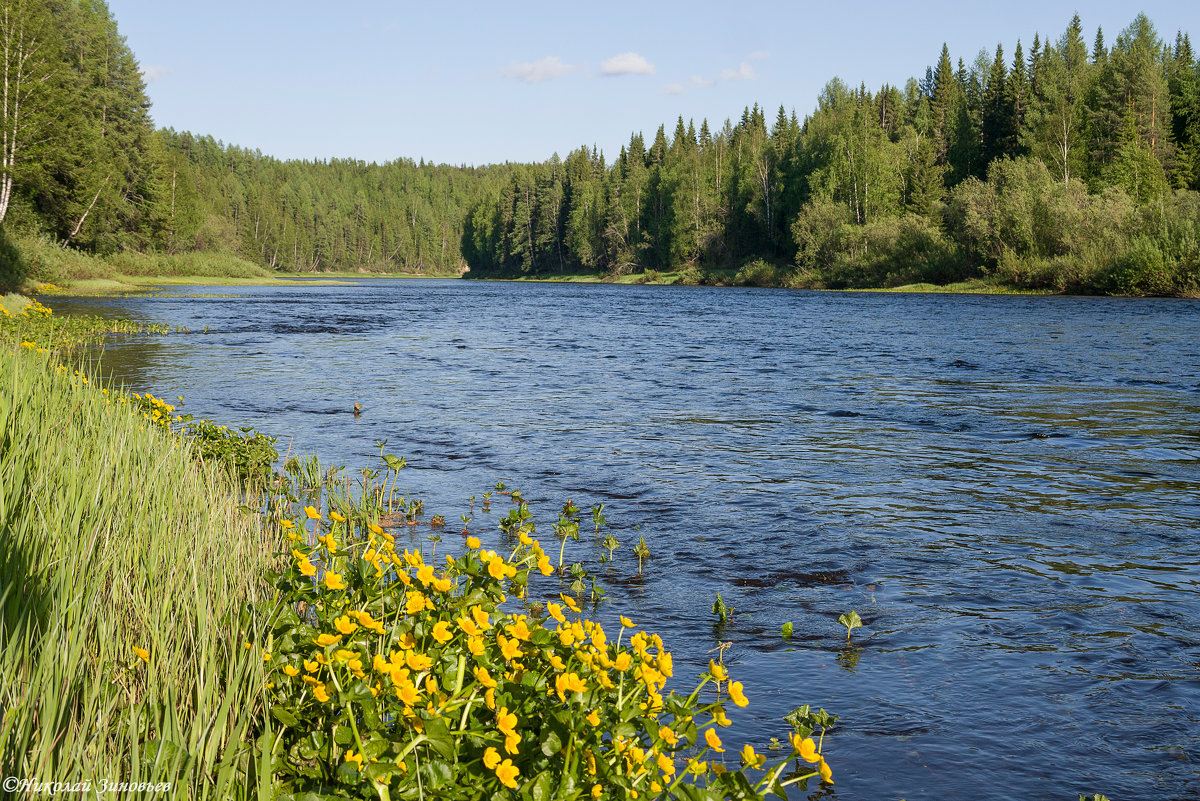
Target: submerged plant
{"type": "Point", "coordinates": [598, 517]}
{"type": "Point", "coordinates": [851, 621]}
{"type": "Point", "coordinates": [610, 542]}
{"type": "Point", "coordinates": [641, 551]}
{"type": "Point", "coordinates": [722, 610]}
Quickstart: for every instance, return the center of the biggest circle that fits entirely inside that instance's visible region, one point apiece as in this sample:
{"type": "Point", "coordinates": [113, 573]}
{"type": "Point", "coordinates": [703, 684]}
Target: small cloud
{"type": "Point", "coordinates": [626, 64]}
{"type": "Point", "coordinates": [537, 71]}
{"type": "Point", "coordinates": [757, 55]}
{"type": "Point", "coordinates": [673, 89]}
{"type": "Point", "coordinates": [155, 73]}
{"type": "Point", "coordinates": [698, 81]}
{"type": "Point", "coordinates": [744, 72]}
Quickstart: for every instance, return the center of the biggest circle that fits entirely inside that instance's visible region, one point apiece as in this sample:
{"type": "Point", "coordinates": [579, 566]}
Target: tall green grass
{"type": "Point", "coordinates": [115, 537]}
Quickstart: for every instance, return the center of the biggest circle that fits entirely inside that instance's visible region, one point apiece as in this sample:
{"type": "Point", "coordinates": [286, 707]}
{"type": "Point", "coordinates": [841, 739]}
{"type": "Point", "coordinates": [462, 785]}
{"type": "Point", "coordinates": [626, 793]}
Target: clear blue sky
{"type": "Point", "coordinates": [481, 82]}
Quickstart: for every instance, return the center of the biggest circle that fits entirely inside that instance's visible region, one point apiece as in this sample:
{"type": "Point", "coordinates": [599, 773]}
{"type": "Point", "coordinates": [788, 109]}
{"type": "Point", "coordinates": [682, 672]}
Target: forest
{"type": "Point", "coordinates": [1067, 166]}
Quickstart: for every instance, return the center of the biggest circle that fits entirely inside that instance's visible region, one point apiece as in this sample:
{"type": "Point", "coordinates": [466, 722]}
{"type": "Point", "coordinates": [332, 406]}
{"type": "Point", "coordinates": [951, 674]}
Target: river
{"type": "Point", "coordinates": [1007, 490]}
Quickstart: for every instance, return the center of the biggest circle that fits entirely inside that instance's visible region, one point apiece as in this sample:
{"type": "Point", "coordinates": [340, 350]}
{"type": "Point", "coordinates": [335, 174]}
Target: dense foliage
{"type": "Point", "coordinates": [1058, 169]}
{"type": "Point", "coordinates": [1067, 166]}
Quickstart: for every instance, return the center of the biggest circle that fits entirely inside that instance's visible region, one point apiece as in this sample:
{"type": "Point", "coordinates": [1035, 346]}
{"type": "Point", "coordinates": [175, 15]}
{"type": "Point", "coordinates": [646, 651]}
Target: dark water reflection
{"type": "Point", "coordinates": [1006, 489]}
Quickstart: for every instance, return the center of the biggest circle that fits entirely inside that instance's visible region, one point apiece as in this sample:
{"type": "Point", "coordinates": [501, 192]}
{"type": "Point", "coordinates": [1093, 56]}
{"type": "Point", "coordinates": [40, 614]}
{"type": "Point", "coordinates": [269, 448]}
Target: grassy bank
{"type": "Point", "coordinates": [125, 574]}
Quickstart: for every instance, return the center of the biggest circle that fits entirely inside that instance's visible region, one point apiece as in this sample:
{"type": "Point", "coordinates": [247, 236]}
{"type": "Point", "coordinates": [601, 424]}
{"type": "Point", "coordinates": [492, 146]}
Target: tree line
{"type": "Point", "coordinates": [1071, 166]}
{"type": "Point", "coordinates": [1063, 166]}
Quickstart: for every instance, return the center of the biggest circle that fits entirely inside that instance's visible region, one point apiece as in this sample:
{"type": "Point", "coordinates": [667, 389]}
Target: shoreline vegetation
{"type": "Point", "coordinates": [1073, 167]}
{"type": "Point", "coordinates": [177, 615]}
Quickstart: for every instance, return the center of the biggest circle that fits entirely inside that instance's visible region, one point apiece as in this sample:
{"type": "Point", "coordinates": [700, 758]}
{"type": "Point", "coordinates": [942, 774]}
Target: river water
{"type": "Point", "coordinates": [1007, 490]}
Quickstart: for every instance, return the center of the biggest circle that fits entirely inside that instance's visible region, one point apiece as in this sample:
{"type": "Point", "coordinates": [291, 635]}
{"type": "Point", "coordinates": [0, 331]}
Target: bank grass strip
{"type": "Point", "coordinates": [127, 572]}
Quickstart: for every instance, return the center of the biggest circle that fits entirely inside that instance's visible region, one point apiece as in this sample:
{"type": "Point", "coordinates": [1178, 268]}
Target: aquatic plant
{"type": "Point", "coordinates": [851, 621]}
{"type": "Point", "coordinates": [610, 542]}
{"type": "Point", "coordinates": [598, 517]}
{"type": "Point", "coordinates": [722, 610]}
{"type": "Point", "coordinates": [641, 551]}
{"type": "Point", "coordinates": [786, 630]}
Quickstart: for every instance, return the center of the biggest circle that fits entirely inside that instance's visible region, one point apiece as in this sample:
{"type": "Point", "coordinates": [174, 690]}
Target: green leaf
{"type": "Point", "coordinates": [786, 630]}
{"type": "Point", "coordinates": [551, 743]}
{"type": "Point", "coordinates": [284, 716]}
{"type": "Point", "coordinates": [541, 787]}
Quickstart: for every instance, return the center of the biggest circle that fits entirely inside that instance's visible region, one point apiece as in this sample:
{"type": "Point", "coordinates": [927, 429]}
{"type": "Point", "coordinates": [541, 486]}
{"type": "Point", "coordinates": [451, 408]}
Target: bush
{"type": "Point", "coordinates": [391, 678]}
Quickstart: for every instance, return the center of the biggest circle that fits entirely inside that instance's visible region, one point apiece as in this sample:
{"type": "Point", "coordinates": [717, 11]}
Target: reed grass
{"type": "Point", "coordinates": [115, 537]}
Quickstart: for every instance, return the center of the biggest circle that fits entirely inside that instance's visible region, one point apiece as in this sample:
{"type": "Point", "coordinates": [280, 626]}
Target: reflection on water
{"type": "Point", "coordinates": [1004, 488]}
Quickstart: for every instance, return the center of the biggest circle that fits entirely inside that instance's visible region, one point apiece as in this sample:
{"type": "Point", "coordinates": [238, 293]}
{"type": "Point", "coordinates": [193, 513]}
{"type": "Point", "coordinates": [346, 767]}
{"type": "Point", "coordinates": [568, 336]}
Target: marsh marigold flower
{"type": "Point", "coordinates": [806, 748]}
{"type": "Point", "coordinates": [735, 692]}
{"type": "Point", "coordinates": [718, 671]}
{"type": "Point", "coordinates": [714, 742]}
{"type": "Point", "coordinates": [142, 654]}
{"type": "Point", "coordinates": [491, 758]}
{"type": "Point", "coordinates": [312, 513]}
{"type": "Point", "coordinates": [826, 772]}
{"type": "Point", "coordinates": [441, 632]}
{"type": "Point", "coordinates": [334, 581]}
{"type": "Point", "coordinates": [345, 625]}
{"type": "Point", "coordinates": [473, 543]}
{"type": "Point", "coordinates": [326, 640]}
{"type": "Point", "coordinates": [320, 693]}
{"type": "Point", "coordinates": [507, 773]}
{"type": "Point", "coordinates": [337, 517]}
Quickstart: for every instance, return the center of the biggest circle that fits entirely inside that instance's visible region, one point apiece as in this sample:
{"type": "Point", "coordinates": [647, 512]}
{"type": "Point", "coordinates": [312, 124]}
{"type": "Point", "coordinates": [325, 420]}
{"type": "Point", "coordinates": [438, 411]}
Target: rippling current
{"type": "Point", "coordinates": [1007, 489]}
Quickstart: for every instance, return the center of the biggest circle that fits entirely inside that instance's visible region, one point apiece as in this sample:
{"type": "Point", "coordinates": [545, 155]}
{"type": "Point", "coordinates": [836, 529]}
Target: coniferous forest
{"type": "Point", "coordinates": [1068, 162]}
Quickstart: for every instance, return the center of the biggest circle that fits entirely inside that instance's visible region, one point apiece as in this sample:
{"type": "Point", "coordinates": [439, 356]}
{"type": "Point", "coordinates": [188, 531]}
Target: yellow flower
{"type": "Point", "coordinates": [806, 748]}
{"type": "Point", "coordinates": [506, 721]}
{"type": "Point", "coordinates": [596, 791]}
{"type": "Point", "coordinates": [326, 640]}
{"type": "Point", "coordinates": [320, 693]}
{"type": "Point", "coordinates": [473, 543]}
{"type": "Point", "coordinates": [485, 678]}
{"type": "Point", "coordinates": [441, 632]}
{"type": "Point", "coordinates": [489, 699]}
{"type": "Point", "coordinates": [543, 565]}
{"type": "Point", "coordinates": [357, 759]}
{"type": "Point", "coordinates": [288, 670]}
{"type": "Point", "coordinates": [419, 662]}
{"type": "Point", "coordinates": [142, 654]}
{"type": "Point", "coordinates": [751, 759]}
{"type": "Point", "coordinates": [307, 568]}
{"type": "Point", "coordinates": [718, 671]}
{"type": "Point", "coordinates": [443, 584]}
{"type": "Point", "coordinates": [668, 736]}
{"type": "Point", "coordinates": [312, 513]}
{"type": "Point", "coordinates": [511, 742]}
{"type": "Point", "coordinates": [311, 667]}
{"type": "Point", "coordinates": [626, 622]}
{"type": "Point", "coordinates": [337, 517]}
{"type": "Point", "coordinates": [287, 524]}
{"type": "Point", "coordinates": [491, 758]}
{"type": "Point", "coordinates": [826, 772]}
{"type": "Point", "coordinates": [666, 664]}
{"type": "Point", "coordinates": [720, 717]}
{"type": "Point", "coordinates": [507, 773]}
{"type": "Point", "coordinates": [408, 694]}
{"type": "Point", "coordinates": [344, 625]}
{"type": "Point", "coordinates": [667, 765]}
{"type": "Point", "coordinates": [475, 645]}
{"type": "Point", "coordinates": [569, 683]}
{"type": "Point", "coordinates": [374, 528]}
{"type": "Point", "coordinates": [496, 568]}
{"type": "Point", "coordinates": [510, 648]}
{"type": "Point", "coordinates": [570, 602]}
{"type": "Point", "coordinates": [333, 581]}
{"type": "Point", "coordinates": [623, 661]}
{"type": "Point", "coordinates": [714, 742]}
{"type": "Point", "coordinates": [593, 718]}
{"type": "Point", "coordinates": [557, 663]}
{"type": "Point", "coordinates": [481, 617]}
{"type": "Point", "coordinates": [735, 692]}
{"type": "Point", "coordinates": [415, 603]}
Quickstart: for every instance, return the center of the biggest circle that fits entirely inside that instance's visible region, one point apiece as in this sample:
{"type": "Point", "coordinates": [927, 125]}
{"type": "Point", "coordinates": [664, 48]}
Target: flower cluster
{"type": "Point", "coordinates": [391, 669]}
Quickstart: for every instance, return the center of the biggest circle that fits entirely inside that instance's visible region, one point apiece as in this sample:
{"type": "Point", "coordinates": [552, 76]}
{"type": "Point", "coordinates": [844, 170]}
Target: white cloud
{"type": "Point", "coordinates": [536, 71]}
{"type": "Point", "coordinates": [673, 89]}
{"type": "Point", "coordinates": [744, 72]}
{"type": "Point", "coordinates": [626, 64]}
{"type": "Point", "coordinates": [155, 72]}
{"type": "Point", "coordinates": [698, 81]}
